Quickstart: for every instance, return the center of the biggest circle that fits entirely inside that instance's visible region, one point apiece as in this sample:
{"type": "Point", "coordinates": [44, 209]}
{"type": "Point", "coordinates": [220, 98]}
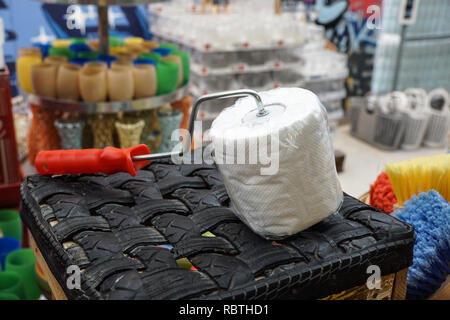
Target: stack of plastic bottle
{"type": "Point", "coordinates": [169, 66]}
{"type": "Point", "coordinates": [251, 47]}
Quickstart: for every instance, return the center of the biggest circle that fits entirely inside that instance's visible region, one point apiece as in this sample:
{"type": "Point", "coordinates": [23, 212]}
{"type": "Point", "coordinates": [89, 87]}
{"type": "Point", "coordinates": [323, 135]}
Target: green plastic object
{"type": "Point", "coordinates": [10, 224]}
{"type": "Point", "coordinates": [185, 63]}
{"type": "Point", "coordinates": [12, 284]}
{"type": "Point", "coordinates": [88, 54]}
{"type": "Point", "coordinates": [167, 77]}
{"type": "Point", "coordinates": [23, 262]}
{"type": "Point", "coordinates": [172, 46]}
{"type": "Point", "coordinates": [78, 40]}
{"type": "Point", "coordinates": [8, 296]}
{"type": "Point", "coordinates": [115, 42]}
{"type": "Point", "coordinates": [65, 52]}
{"type": "Point", "coordinates": [151, 55]}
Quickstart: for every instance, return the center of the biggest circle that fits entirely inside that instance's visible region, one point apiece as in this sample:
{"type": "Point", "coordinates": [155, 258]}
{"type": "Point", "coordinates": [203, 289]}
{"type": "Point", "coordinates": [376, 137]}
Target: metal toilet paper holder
{"type": "Point", "coordinates": [261, 112]}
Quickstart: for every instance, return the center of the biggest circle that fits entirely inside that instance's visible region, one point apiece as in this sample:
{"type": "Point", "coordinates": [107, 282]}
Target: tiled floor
{"type": "Point", "coordinates": [363, 162]}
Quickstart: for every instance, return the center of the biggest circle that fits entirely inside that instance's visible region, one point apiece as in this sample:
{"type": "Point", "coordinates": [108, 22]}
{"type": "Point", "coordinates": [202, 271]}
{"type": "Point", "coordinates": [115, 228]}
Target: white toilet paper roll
{"type": "Point", "coordinates": [279, 170]}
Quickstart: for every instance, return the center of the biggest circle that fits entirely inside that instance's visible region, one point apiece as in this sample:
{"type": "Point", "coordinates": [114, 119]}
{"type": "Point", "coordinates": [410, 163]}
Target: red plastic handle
{"type": "Point", "coordinates": [108, 160]}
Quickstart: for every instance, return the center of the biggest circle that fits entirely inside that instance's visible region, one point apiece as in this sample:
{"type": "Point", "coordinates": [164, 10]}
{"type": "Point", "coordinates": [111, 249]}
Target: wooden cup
{"type": "Point", "coordinates": [30, 51]}
{"type": "Point", "coordinates": [120, 84]}
{"type": "Point", "coordinates": [43, 79]}
{"type": "Point", "coordinates": [145, 83]}
{"type": "Point", "coordinates": [67, 86]}
{"type": "Point", "coordinates": [56, 60]}
{"type": "Point", "coordinates": [96, 64]}
{"type": "Point", "coordinates": [126, 56]}
{"type": "Point", "coordinates": [92, 83]}
{"type": "Point", "coordinates": [122, 64]}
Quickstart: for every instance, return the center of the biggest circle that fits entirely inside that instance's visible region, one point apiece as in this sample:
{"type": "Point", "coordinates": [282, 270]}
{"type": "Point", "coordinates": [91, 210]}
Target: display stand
{"type": "Point", "coordinates": [102, 11]}
{"type": "Point", "coordinates": [103, 35]}
{"type": "Point", "coordinates": [108, 106]}
{"type": "Point", "coordinates": [52, 109]}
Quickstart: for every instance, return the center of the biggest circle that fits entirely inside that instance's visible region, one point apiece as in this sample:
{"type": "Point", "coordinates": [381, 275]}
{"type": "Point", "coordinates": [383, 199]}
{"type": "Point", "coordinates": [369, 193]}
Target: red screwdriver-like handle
{"type": "Point", "coordinates": [108, 160]}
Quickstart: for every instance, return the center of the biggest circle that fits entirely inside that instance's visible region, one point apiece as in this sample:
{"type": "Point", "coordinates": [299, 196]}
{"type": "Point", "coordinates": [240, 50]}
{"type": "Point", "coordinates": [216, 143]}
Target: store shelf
{"type": "Point", "coordinates": [103, 2]}
{"type": "Point", "coordinates": [237, 47]}
{"type": "Point", "coordinates": [332, 95]}
{"type": "Point", "coordinates": [108, 106]}
{"type": "Point", "coordinates": [336, 75]}
{"type": "Point", "coordinates": [202, 71]}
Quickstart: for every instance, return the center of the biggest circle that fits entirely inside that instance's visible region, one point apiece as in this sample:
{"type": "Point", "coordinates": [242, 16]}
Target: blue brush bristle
{"type": "Point", "coordinates": [429, 214]}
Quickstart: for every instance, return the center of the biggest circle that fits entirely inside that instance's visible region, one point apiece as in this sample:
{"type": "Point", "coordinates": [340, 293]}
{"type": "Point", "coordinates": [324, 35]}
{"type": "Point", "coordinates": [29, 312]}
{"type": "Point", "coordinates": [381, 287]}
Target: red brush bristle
{"type": "Point", "coordinates": [382, 195]}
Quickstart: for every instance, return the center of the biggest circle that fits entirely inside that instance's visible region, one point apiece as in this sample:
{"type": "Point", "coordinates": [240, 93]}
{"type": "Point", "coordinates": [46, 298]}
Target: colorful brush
{"type": "Point", "coordinates": [382, 195]}
{"type": "Point", "coordinates": [429, 214]}
{"type": "Point", "coordinates": [420, 175]}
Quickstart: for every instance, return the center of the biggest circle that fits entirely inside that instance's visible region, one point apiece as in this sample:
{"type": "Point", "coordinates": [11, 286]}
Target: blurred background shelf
{"type": "Point", "coordinates": [108, 106]}
{"type": "Point", "coordinates": [102, 2]}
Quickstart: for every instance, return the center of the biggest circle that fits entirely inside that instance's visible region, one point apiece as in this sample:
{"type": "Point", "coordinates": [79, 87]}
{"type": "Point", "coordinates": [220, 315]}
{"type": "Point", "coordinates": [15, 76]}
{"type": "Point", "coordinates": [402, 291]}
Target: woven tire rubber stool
{"type": "Point", "coordinates": [169, 233]}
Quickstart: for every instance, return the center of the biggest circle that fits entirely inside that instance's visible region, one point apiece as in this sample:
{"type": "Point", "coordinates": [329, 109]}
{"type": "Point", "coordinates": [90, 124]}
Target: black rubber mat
{"type": "Point", "coordinates": [168, 233]}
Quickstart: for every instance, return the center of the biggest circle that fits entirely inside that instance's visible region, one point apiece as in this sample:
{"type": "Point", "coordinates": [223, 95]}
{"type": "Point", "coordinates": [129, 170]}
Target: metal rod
{"type": "Point", "coordinates": [399, 58]}
{"type": "Point", "coordinates": [227, 94]}
{"type": "Point", "coordinates": [103, 28]}
{"type": "Point", "coordinates": [220, 95]}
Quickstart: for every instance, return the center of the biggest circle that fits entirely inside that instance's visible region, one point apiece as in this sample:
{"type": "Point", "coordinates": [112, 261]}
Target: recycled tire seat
{"type": "Point", "coordinates": [128, 235]}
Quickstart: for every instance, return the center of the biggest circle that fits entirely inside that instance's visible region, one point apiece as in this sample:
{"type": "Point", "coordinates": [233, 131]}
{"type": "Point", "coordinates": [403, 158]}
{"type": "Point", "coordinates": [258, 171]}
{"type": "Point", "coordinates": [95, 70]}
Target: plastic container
{"type": "Point", "coordinates": [144, 61]}
{"type": "Point", "coordinates": [43, 47]}
{"type": "Point", "coordinates": [7, 245]}
{"type": "Point", "coordinates": [67, 82]}
{"type": "Point", "coordinates": [26, 59]}
{"type": "Point", "coordinates": [11, 285]}
{"type": "Point", "coordinates": [438, 107]}
{"type": "Point", "coordinates": [115, 42]}
{"type": "Point", "coordinates": [356, 103]}
{"type": "Point", "coordinates": [10, 224]}
{"type": "Point", "coordinates": [106, 58]}
{"type": "Point", "coordinates": [61, 51]}
{"type": "Point", "coordinates": [92, 84]}
{"type": "Point", "coordinates": [78, 40]}
{"type": "Point", "coordinates": [23, 263]}
{"type": "Point", "coordinates": [70, 133]}
{"type": "Point", "coordinates": [145, 81]}
{"type": "Point", "coordinates": [8, 296]}
{"type": "Point", "coordinates": [389, 130]}
{"type": "Point", "coordinates": [43, 79]}
{"type": "Point", "coordinates": [167, 77]}
{"type": "Point", "coordinates": [80, 61]}
{"type": "Point", "coordinates": [120, 84]}
{"type": "Point", "coordinates": [92, 55]}
{"type": "Point", "coordinates": [170, 121]}
{"type": "Point", "coordinates": [163, 51]}
{"type": "Point", "coordinates": [61, 43]}
{"type": "Point", "coordinates": [151, 55]}
{"type": "Point", "coordinates": [171, 46]}
{"type": "Point", "coordinates": [133, 41]}
{"type": "Point", "coordinates": [363, 117]}
{"type": "Point", "coordinates": [416, 119]}
{"type": "Point", "coordinates": [184, 56]}
{"type": "Point", "coordinates": [415, 128]}
{"type": "Point", "coordinates": [79, 47]}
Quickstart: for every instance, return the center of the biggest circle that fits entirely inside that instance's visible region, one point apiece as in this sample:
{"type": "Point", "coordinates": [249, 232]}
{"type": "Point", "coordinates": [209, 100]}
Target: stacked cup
{"type": "Point", "coordinates": [17, 266]}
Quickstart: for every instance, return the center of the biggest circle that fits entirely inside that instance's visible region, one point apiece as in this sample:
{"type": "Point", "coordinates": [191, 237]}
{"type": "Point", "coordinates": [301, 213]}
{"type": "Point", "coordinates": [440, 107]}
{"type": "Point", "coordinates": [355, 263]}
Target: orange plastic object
{"type": "Point", "coordinates": [108, 160]}
{"type": "Point", "coordinates": [184, 105]}
{"type": "Point", "coordinates": [42, 134]}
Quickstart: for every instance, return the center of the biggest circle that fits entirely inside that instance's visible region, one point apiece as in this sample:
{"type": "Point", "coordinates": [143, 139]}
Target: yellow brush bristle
{"type": "Point", "coordinates": [420, 175]}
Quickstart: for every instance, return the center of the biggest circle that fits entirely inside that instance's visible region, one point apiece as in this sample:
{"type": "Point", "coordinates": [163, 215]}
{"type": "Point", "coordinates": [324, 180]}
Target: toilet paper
{"type": "Point", "coordinates": [279, 169]}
